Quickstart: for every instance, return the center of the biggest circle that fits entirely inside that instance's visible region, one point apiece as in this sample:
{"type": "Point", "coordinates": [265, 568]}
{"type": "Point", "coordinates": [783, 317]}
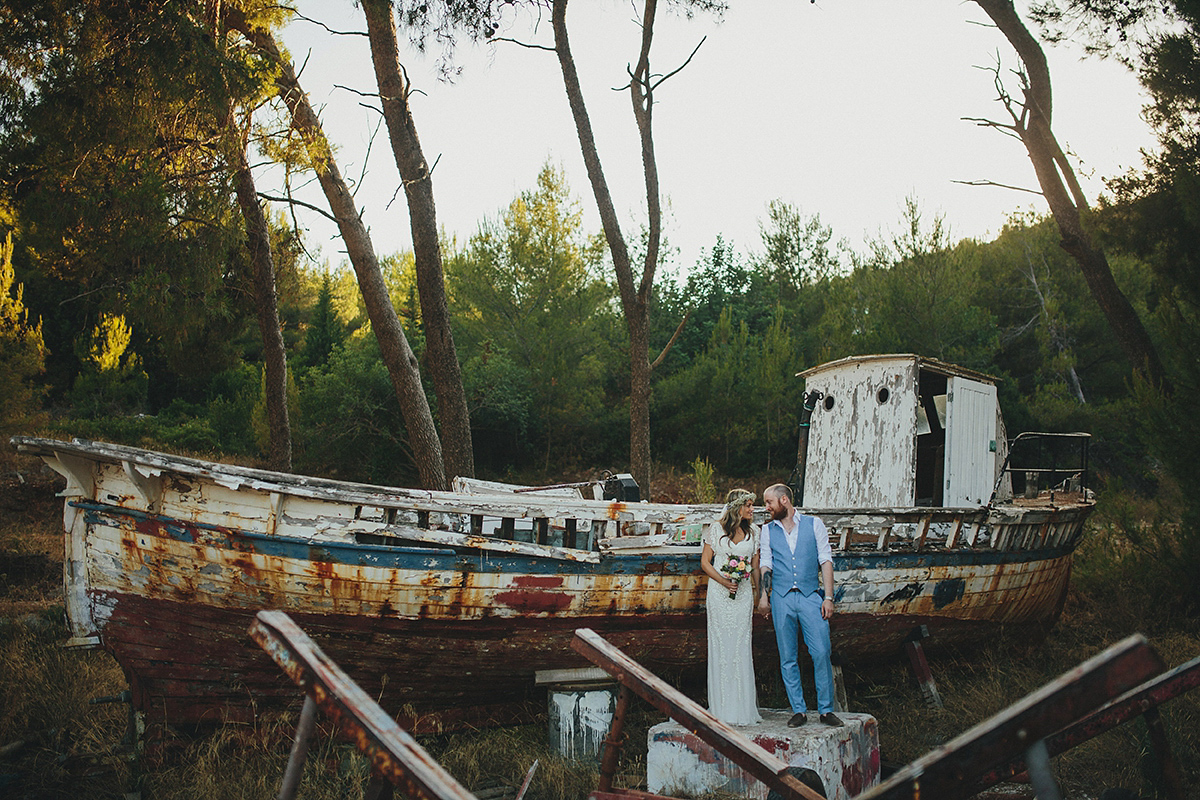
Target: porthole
{"type": "Point", "coordinates": [828, 402]}
{"type": "Point", "coordinates": [882, 395]}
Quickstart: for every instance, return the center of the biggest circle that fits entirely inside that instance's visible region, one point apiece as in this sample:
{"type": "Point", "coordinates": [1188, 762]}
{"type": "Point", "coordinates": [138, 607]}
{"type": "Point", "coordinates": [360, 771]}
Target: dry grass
{"type": "Point", "coordinates": [74, 749]}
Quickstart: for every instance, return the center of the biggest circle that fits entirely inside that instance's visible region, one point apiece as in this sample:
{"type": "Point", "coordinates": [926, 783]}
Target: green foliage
{"type": "Point", "coordinates": [22, 351]}
{"type": "Point", "coordinates": [915, 294]}
{"type": "Point", "coordinates": [325, 330]}
{"type": "Point", "coordinates": [736, 403]}
{"type": "Point", "coordinates": [702, 478]}
{"type": "Point", "coordinates": [112, 379]}
{"type": "Point", "coordinates": [525, 290]}
{"type": "Point", "coordinates": [349, 425]}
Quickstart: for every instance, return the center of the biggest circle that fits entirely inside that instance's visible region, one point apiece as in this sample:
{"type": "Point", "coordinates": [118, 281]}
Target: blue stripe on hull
{"type": "Point", "coordinates": [676, 562]}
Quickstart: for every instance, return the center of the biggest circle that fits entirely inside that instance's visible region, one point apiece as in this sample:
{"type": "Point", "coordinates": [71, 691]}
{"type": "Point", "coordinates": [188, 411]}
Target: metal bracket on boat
{"type": "Point", "coordinates": [79, 472]}
{"type": "Point", "coordinates": [148, 484]}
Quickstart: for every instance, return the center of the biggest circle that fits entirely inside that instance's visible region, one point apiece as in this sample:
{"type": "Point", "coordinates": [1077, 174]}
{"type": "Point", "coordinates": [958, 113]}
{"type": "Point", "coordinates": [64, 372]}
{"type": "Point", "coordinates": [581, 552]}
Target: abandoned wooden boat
{"type": "Point", "coordinates": [450, 601]}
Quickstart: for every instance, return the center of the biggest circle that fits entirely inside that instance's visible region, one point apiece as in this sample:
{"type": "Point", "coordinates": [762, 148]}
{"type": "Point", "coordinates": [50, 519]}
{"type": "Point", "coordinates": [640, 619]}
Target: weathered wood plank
{"type": "Point", "coordinates": [392, 752]}
{"type": "Point", "coordinates": [1128, 706]}
{"type": "Point", "coordinates": [950, 771]}
{"type": "Point", "coordinates": [733, 745]}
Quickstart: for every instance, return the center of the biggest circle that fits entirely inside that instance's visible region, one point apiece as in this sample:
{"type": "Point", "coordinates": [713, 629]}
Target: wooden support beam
{"type": "Point", "coordinates": [1129, 706]}
{"type": "Point", "coordinates": [950, 771]}
{"type": "Point", "coordinates": [614, 741]}
{"type": "Point", "coordinates": [921, 672]}
{"type": "Point", "coordinates": [392, 752]}
{"type": "Point", "coordinates": [733, 745]}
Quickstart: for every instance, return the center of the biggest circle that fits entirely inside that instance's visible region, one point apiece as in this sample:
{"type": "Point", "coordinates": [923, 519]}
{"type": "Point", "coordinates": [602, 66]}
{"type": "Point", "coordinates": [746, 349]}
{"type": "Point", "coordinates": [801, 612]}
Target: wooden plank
{"type": "Point", "coordinates": [1128, 706]}
{"type": "Point", "coordinates": [634, 542]}
{"type": "Point", "coordinates": [952, 539]}
{"type": "Point", "coordinates": [924, 531]}
{"type": "Point", "coordinates": [452, 539]}
{"type": "Point", "coordinates": [950, 771]}
{"type": "Point", "coordinates": [392, 752]}
{"type": "Point", "coordinates": [728, 742]}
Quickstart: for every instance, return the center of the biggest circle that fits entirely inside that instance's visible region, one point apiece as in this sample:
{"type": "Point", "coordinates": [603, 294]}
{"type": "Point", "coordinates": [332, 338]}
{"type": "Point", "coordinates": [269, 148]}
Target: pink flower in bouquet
{"type": "Point", "coordinates": [737, 569]}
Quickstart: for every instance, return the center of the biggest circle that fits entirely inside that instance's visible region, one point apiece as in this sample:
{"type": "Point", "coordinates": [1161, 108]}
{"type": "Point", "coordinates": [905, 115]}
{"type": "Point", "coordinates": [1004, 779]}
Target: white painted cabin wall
{"type": "Point", "coordinates": [862, 453]}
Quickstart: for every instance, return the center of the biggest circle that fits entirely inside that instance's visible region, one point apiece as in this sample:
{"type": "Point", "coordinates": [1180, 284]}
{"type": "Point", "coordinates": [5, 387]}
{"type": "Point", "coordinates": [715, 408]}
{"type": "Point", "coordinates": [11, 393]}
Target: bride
{"type": "Point", "coordinates": [730, 559]}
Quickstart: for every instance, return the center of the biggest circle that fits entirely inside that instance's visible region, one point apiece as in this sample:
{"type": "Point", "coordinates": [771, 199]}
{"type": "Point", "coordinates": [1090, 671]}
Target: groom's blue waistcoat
{"type": "Point", "coordinates": [796, 570]}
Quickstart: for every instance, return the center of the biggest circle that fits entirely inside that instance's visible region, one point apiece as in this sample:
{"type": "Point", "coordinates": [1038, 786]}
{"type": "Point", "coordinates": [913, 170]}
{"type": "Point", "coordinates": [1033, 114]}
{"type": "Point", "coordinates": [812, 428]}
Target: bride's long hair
{"type": "Point", "coordinates": [731, 515]}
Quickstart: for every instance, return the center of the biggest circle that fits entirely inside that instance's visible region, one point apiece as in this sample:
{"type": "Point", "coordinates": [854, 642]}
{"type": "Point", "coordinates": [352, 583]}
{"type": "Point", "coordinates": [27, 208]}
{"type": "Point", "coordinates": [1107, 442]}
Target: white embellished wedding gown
{"type": "Point", "coordinates": [732, 697]}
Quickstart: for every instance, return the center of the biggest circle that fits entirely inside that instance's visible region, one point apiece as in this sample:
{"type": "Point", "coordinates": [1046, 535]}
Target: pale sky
{"type": "Point", "coordinates": [840, 107]}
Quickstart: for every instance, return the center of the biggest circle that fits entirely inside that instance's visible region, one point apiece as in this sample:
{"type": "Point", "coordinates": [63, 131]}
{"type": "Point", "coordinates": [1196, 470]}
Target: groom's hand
{"type": "Point", "coordinates": [764, 605]}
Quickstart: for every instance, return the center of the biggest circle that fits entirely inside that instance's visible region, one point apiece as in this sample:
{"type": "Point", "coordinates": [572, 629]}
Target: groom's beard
{"type": "Point", "coordinates": [780, 514]}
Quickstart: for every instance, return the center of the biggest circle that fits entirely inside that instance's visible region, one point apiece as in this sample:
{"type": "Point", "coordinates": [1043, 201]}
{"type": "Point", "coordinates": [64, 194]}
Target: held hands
{"type": "Point", "coordinates": [764, 606]}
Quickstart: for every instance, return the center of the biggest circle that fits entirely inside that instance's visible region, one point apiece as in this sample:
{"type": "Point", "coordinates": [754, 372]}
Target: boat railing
{"type": "Point", "coordinates": [1043, 462]}
{"type": "Point", "coordinates": [524, 523]}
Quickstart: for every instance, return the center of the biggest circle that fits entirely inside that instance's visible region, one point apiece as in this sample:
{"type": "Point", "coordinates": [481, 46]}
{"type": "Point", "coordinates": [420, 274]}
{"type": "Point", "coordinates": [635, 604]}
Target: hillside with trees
{"type": "Point", "coordinates": [150, 294]}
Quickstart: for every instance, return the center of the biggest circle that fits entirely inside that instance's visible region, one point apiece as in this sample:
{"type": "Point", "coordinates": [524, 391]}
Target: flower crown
{"type": "Point", "coordinates": [738, 499]}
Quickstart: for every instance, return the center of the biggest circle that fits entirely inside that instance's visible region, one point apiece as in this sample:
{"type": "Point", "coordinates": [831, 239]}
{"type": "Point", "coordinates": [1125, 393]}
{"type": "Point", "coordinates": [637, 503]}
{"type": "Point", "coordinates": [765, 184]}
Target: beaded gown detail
{"type": "Point", "coordinates": [732, 697]}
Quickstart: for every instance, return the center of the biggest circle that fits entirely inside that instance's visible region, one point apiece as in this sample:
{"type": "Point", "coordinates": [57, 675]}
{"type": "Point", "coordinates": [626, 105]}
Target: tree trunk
{"type": "Point", "coordinates": [397, 355]}
{"type": "Point", "coordinates": [1065, 197]}
{"type": "Point", "coordinates": [258, 240]}
{"type": "Point", "coordinates": [635, 301]}
{"type": "Point", "coordinates": [441, 355]}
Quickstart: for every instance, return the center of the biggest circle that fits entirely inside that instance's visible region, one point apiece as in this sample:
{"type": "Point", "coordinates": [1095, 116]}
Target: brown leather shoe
{"type": "Point", "coordinates": [797, 720]}
{"type": "Point", "coordinates": [831, 720]}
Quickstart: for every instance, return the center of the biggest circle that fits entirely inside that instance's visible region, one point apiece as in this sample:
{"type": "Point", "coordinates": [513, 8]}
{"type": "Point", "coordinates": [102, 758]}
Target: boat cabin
{"type": "Point", "coordinates": [897, 431]}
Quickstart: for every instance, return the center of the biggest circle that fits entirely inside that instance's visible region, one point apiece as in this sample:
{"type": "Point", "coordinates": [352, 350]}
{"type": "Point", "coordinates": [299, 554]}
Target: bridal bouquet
{"type": "Point", "coordinates": [737, 569]}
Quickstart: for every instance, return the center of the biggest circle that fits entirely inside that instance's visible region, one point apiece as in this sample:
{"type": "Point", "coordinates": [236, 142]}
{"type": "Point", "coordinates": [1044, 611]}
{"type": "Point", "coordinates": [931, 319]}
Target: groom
{"type": "Point", "coordinates": [797, 575]}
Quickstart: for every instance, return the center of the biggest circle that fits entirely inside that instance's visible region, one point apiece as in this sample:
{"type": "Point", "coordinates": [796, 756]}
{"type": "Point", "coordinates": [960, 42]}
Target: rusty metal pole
{"type": "Point", "coordinates": [616, 737]}
{"type": "Point", "coordinates": [797, 479]}
{"type": "Point", "coordinates": [295, 767]}
{"type": "Point", "coordinates": [1170, 786]}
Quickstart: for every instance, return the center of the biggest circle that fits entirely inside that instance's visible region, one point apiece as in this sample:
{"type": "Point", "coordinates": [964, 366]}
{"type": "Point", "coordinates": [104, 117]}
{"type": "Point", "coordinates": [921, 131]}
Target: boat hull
{"type": "Point", "coordinates": [430, 631]}
{"type": "Point", "coordinates": [438, 605]}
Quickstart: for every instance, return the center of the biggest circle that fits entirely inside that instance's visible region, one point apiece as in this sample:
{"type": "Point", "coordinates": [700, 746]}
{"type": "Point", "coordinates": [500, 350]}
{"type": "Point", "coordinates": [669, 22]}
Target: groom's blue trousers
{"type": "Point", "coordinates": [794, 613]}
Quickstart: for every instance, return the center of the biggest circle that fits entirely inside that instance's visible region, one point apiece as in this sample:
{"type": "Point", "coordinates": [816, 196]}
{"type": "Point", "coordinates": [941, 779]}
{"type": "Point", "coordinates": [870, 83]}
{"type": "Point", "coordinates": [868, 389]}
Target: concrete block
{"type": "Point", "coordinates": [847, 758]}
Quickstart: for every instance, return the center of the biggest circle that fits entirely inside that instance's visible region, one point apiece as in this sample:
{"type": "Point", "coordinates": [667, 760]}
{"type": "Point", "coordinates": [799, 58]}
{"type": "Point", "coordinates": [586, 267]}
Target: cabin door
{"type": "Point", "coordinates": [970, 442]}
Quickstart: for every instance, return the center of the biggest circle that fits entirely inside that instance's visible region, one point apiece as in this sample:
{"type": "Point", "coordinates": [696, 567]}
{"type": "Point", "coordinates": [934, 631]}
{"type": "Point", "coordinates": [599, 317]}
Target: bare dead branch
{"type": "Point", "coordinates": [1004, 128]}
{"type": "Point", "coordinates": [678, 69]}
{"type": "Point", "coordinates": [318, 23]}
{"type": "Point", "coordinates": [666, 349]}
{"type": "Point", "coordinates": [399, 186]}
{"type": "Point", "coordinates": [294, 202]}
{"type": "Point", "coordinates": [367, 157]}
{"type": "Point", "coordinates": [519, 43]}
{"type": "Point", "coordinates": [356, 91]}
{"type": "Point", "coordinates": [999, 185]}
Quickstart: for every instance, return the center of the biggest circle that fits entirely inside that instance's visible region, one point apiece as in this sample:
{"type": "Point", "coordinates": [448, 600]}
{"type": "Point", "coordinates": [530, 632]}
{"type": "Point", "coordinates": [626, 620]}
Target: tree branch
{"type": "Point", "coordinates": [1000, 185]}
{"type": "Point", "coordinates": [519, 43]}
{"type": "Point", "coordinates": [674, 336]}
{"type": "Point", "coordinates": [318, 23]}
{"type": "Point", "coordinates": [356, 91]}
{"type": "Point", "coordinates": [294, 201]}
{"type": "Point", "coordinates": [679, 69]}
